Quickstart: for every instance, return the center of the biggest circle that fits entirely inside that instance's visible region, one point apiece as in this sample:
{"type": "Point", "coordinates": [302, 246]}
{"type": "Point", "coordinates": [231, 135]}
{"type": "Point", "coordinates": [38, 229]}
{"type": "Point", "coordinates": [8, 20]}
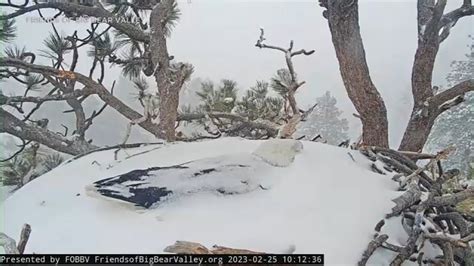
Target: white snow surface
{"type": "Point", "coordinates": [323, 202]}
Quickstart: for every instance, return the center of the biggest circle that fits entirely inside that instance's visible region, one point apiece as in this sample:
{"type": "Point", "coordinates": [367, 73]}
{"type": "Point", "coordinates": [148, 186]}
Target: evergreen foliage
{"type": "Point", "coordinates": [257, 104]}
{"type": "Point", "coordinates": [221, 99]}
{"type": "Point", "coordinates": [456, 126]}
{"type": "Point", "coordinates": [325, 121]}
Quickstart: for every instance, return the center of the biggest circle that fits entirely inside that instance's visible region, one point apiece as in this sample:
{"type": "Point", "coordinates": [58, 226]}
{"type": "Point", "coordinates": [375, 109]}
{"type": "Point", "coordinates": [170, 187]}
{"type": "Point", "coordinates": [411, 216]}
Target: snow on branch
{"type": "Point", "coordinates": [14, 126]}
{"type": "Point", "coordinates": [373, 245]}
{"type": "Point", "coordinates": [452, 96]}
{"type": "Point", "coordinates": [450, 19]}
{"type": "Point", "coordinates": [9, 244]}
{"type": "Point", "coordinates": [426, 210]}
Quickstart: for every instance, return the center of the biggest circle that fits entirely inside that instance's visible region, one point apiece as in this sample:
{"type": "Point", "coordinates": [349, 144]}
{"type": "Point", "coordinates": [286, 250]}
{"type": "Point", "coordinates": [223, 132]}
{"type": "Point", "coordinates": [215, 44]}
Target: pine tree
{"type": "Point", "coordinates": [222, 99]}
{"type": "Point", "coordinates": [456, 126]}
{"type": "Point", "coordinates": [280, 83]}
{"type": "Point", "coordinates": [7, 30]}
{"type": "Point", "coordinates": [325, 121]}
{"type": "Point", "coordinates": [31, 161]}
{"type": "Point", "coordinates": [257, 104]}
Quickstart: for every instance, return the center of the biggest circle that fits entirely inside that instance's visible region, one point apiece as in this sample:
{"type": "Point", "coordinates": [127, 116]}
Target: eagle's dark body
{"type": "Point", "coordinates": [225, 175]}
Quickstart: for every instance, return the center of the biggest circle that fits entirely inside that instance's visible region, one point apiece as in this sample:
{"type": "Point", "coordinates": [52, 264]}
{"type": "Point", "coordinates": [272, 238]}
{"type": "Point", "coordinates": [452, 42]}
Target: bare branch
{"type": "Point", "coordinates": [96, 113]}
{"type": "Point", "coordinates": [48, 98]}
{"type": "Point", "coordinates": [99, 12]}
{"type": "Point", "coordinates": [450, 19]}
{"type": "Point", "coordinates": [261, 39]}
{"type": "Point", "coordinates": [22, 148]}
{"type": "Point", "coordinates": [302, 51]}
{"type": "Point", "coordinates": [373, 245]}
{"type": "Point", "coordinates": [91, 87]}
{"type": "Point", "coordinates": [453, 92]}
{"type": "Point", "coordinates": [294, 85]}
{"type": "Point", "coordinates": [452, 199]}
{"type": "Point", "coordinates": [38, 105]}
{"type": "Point", "coordinates": [24, 236]}
{"type": "Point", "coordinates": [445, 238]}
{"type": "Point", "coordinates": [14, 126]}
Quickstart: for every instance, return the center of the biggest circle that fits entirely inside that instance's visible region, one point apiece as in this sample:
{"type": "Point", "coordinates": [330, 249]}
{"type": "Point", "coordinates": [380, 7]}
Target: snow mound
{"type": "Point", "coordinates": [323, 202]}
{"type": "Point", "coordinates": [279, 152]}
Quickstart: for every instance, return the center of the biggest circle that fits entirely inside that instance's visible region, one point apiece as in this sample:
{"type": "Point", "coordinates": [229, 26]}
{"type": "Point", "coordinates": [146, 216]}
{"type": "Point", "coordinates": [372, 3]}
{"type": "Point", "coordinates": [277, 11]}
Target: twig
{"type": "Point", "coordinates": [373, 245]}
{"type": "Point", "coordinates": [24, 236]}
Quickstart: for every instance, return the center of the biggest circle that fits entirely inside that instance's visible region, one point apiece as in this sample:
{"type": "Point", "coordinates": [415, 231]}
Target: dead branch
{"type": "Point", "coordinates": [22, 148]}
{"type": "Point", "coordinates": [406, 200]}
{"type": "Point", "coordinates": [90, 87]}
{"type": "Point", "coordinates": [289, 128]}
{"type": "Point", "coordinates": [24, 236]}
{"type": "Point", "coordinates": [445, 238]}
{"type": "Point", "coordinates": [294, 84]}
{"type": "Point", "coordinates": [428, 215]}
{"type": "Point", "coordinates": [457, 219]}
{"type": "Point", "coordinates": [417, 155]}
{"type": "Point", "coordinates": [31, 99]}
{"type": "Point", "coordinates": [14, 126]}
{"type": "Point", "coordinates": [373, 245]}
{"type": "Point", "coordinates": [450, 19]}
{"type": "Point", "coordinates": [185, 247]}
{"type": "Point", "coordinates": [9, 244]}
{"type": "Point", "coordinates": [122, 146]}
{"type": "Point", "coordinates": [452, 199]}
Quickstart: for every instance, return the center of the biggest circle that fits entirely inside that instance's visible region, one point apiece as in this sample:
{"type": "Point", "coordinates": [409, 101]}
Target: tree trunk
{"type": "Point", "coordinates": [343, 21]}
{"type": "Point", "coordinates": [168, 114]}
{"type": "Point", "coordinates": [166, 79]}
{"type": "Point", "coordinates": [433, 28]}
{"type": "Point", "coordinates": [168, 94]}
{"type": "Point", "coordinates": [423, 116]}
{"type": "Point", "coordinates": [417, 132]}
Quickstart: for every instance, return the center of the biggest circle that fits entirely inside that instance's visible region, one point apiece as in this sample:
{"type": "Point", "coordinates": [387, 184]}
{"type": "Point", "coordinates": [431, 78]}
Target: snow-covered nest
{"type": "Point", "coordinates": [325, 201]}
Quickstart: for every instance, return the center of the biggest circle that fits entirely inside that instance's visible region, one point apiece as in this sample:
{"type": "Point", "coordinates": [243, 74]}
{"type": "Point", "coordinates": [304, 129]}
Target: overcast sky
{"type": "Point", "coordinates": [218, 38]}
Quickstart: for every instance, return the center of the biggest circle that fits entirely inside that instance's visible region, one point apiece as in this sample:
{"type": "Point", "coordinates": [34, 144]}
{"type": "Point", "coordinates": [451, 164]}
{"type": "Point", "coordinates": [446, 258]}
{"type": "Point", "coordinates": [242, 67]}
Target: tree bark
{"type": "Point", "coordinates": [433, 28]}
{"type": "Point", "coordinates": [14, 126]}
{"type": "Point", "coordinates": [343, 19]}
{"type": "Point", "coordinates": [423, 116]}
{"type": "Point", "coordinates": [168, 86]}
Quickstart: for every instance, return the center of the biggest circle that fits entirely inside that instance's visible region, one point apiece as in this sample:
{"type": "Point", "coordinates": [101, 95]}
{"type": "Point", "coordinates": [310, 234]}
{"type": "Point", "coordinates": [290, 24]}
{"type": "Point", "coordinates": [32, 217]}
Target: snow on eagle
{"type": "Point", "coordinates": [225, 175]}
